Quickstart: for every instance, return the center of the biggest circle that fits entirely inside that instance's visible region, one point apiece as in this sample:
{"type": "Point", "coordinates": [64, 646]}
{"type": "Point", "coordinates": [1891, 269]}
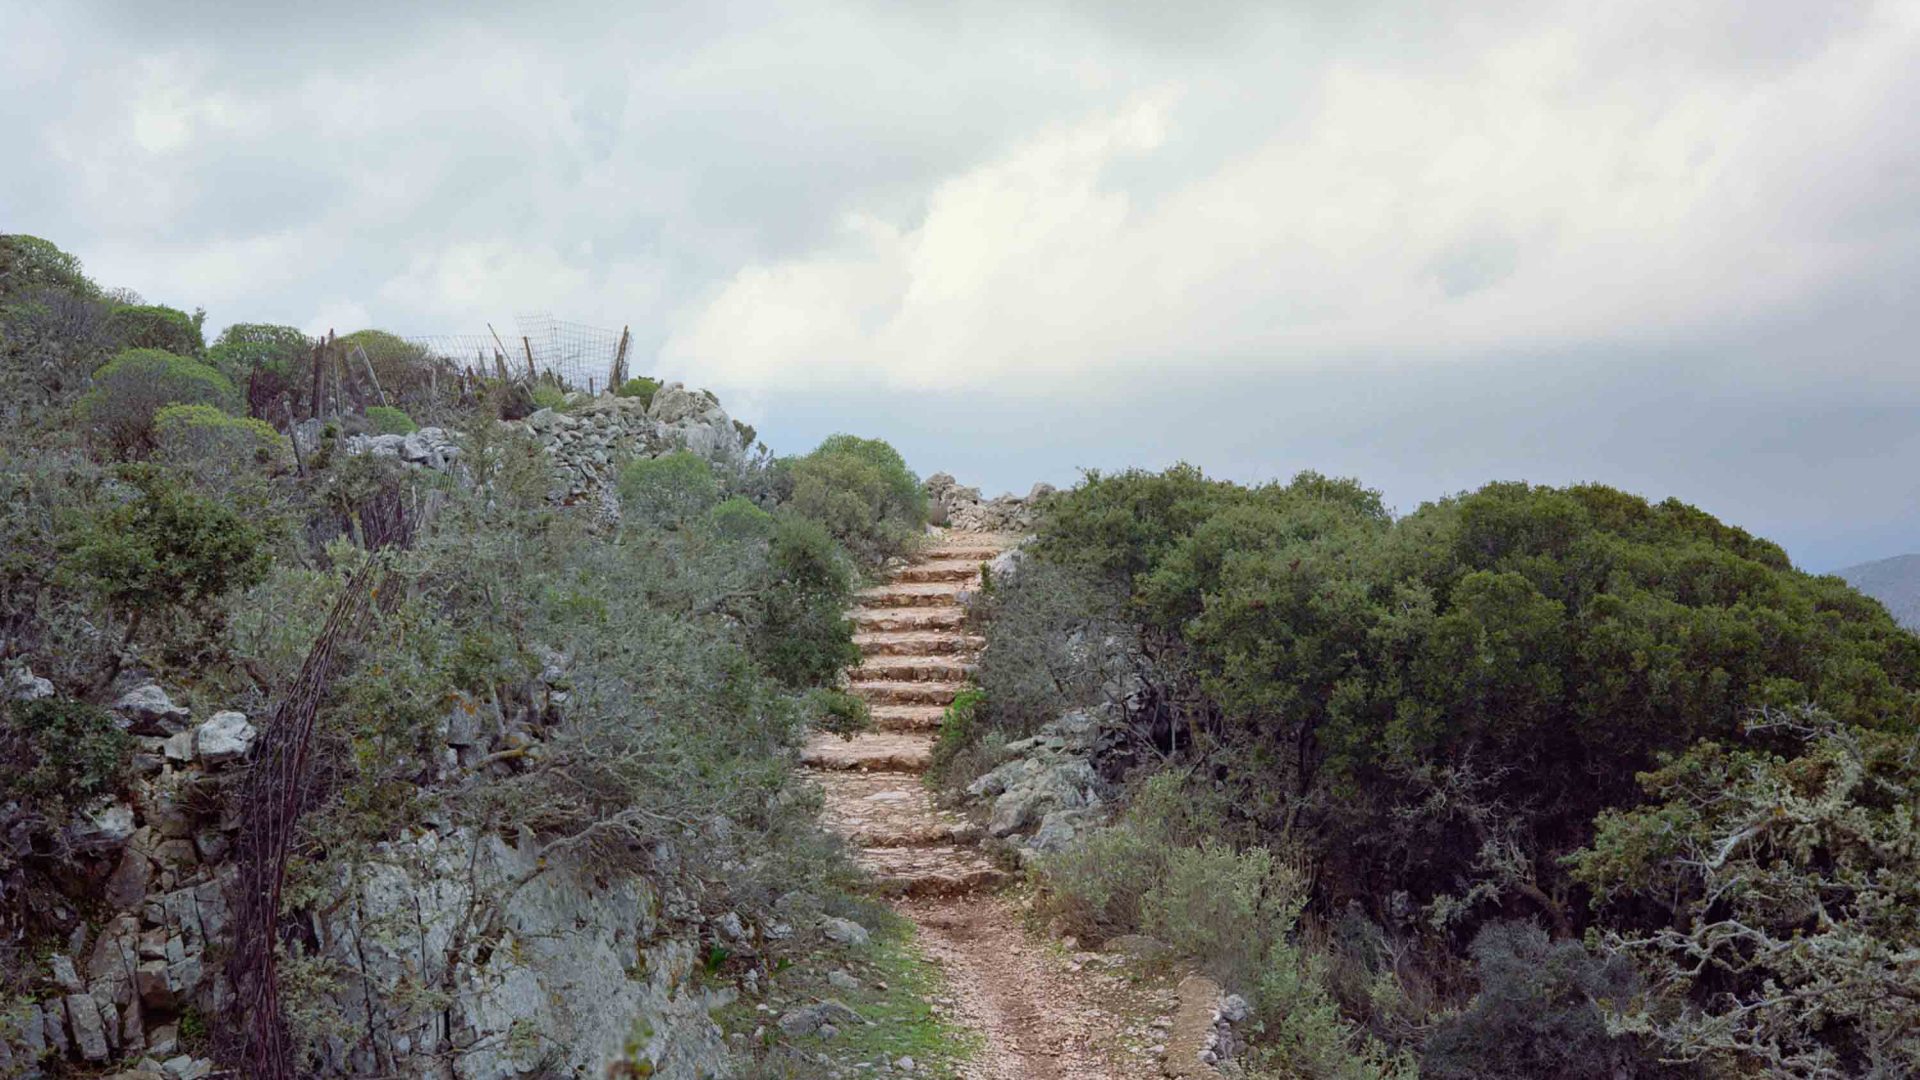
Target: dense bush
{"type": "Point", "coordinates": [1537, 1014]}
{"type": "Point", "coordinates": [408, 373]}
{"type": "Point", "coordinates": [1774, 899]}
{"type": "Point", "coordinates": [271, 362]}
{"type": "Point", "coordinates": [863, 493]}
{"type": "Point", "coordinates": [57, 754]}
{"type": "Point", "coordinates": [164, 551]}
{"type": "Point", "coordinates": [156, 326]}
{"type": "Point", "coordinates": [29, 264]}
{"type": "Point", "coordinates": [804, 637]}
{"type": "Point", "coordinates": [668, 490]}
{"type": "Point", "coordinates": [387, 420]}
{"type": "Point", "coordinates": [129, 390]}
{"type": "Point", "coordinates": [639, 387]}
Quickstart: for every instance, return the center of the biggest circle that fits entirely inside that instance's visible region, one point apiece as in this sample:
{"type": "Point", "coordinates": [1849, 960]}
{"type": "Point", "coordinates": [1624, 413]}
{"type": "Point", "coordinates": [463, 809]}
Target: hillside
{"type": "Point", "coordinates": [1894, 582]}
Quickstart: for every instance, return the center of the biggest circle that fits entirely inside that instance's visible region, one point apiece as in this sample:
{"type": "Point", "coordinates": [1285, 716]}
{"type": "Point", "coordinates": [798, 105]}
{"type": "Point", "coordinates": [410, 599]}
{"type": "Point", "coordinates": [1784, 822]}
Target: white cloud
{"type": "Point", "coordinates": [1524, 196]}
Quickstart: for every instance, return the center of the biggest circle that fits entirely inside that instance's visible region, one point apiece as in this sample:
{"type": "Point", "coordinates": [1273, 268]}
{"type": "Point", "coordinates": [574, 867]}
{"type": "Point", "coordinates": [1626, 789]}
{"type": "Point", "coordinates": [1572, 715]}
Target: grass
{"type": "Point", "coordinates": [898, 985]}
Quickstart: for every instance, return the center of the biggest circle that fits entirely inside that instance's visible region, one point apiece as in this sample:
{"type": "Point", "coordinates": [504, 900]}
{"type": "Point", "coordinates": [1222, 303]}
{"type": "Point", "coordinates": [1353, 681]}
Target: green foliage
{"type": "Point", "coordinates": [156, 326]}
{"type": "Point", "coordinates": [738, 518]}
{"type": "Point", "coordinates": [840, 713]}
{"type": "Point", "coordinates": [959, 736]}
{"type": "Point", "coordinates": [408, 374]}
{"type": "Point", "coordinates": [204, 439]}
{"type": "Point", "coordinates": [861, 491]}
{"type": "Point", "coordinates": [58, 754]}
{"type": "Point", "coordinates": [668, 490]}
{"type": "Point", "coordinates": [165, 549]}
{"type": "Point", "coordinates": [548, 396]}
{"type": "Point", "coordinates": [1536, 1014]}
{"type": "Point", "coordinates": [639, 387]}
{"type": "Point", "coordinates": [129, 390]}
{"type": "Point", "coordinates": [804, 637]}
{"type": "Point", "coordinates": [387, 420]}
{"type": "Point", "coordinates": [1773, 899]}
{"type": "Point", "coordinates": [29, 264]}
{"type": "Point", "coordinates": [1225, 907]}
{"type": "Point", "coordinates": [270, 361]}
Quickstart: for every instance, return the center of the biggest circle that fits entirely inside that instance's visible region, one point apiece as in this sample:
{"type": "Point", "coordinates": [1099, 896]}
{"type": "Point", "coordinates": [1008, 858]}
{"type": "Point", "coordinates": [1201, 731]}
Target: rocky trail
{"type": "Point", "coordinates": [1044, 1012]}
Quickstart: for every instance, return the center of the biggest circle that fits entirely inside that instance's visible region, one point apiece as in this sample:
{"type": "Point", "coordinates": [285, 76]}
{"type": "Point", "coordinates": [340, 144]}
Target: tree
{"type": "Point", "coordinates": [164, 550]}
{"type": "Point", "coordinates": [29, 264]}
{"type": "Point", "coordinates": [271, 361]}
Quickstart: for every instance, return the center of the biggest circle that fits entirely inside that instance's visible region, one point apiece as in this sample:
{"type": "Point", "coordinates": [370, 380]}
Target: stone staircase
{"type": "Point", "coordinates": [915, 656]}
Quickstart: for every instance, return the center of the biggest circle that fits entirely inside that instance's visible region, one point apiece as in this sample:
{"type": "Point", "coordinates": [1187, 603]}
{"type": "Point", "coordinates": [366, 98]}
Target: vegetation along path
{"type": "Point", "coordinates": [1037, 1020]}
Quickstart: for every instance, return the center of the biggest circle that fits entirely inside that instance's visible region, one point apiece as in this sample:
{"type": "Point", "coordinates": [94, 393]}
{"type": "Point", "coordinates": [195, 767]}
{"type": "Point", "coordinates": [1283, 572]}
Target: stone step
{"type": "Point", "coordinates": [969, 553]}
{"type": "Point", "coordinates": [889, 810]}
{"type": "Point", "coordinates": [938, 570]}
{"type": "Point", "coordinates": [911, 668]}
{"type": "Point", "coordinates": [869, 752]}
{"type": "Point", "coordinates": [907, 693]}
{"type": "Point", "coordinates": [923, 594]}
{"type": "Point", "coordinates": [938, 870]}
{"type": "Point", "coordinates": [907, 718]}
{"type": "Point", "coordinates": [939, 618]}
{"type": "Point", "coordinates": [876, 643]}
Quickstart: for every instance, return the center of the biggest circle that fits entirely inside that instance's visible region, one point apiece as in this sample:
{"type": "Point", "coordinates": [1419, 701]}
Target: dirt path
{"type": "Point", "coordinates": [1036, 1014]}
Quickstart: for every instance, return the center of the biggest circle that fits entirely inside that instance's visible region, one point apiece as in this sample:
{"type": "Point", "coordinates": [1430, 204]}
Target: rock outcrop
{"type": "Point", "coordinates": [963, 509]}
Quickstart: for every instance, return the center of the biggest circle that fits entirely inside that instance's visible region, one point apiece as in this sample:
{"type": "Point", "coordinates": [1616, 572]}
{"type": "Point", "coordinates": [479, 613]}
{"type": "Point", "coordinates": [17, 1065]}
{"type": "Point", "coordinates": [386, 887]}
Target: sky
{"type": "Point", "coordinates": [1670, 247]}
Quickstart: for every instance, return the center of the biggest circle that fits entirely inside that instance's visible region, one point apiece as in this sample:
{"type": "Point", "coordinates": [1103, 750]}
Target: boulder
{"type": "Point", "coordinates": [89, 1032]}
{"type": "Point", "coordinates": [843, 931]}
{"type": "Point", "coordinates": [809, 1019]}
{"type": "Point", "coordinates": [24, 685]}
{"type": "Point", "coordinates": [147, 710]}
{"type": "Point", "coordinates": [109, 823]}
{"type": "Point", "coordinates": [226, 736]}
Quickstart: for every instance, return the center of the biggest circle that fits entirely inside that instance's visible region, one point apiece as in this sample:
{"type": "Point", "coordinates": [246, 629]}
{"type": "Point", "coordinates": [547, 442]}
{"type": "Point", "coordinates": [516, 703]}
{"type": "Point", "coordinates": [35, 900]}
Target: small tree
{"type": "Point", "coordinates": [129, 390]}
{"type": "Point", "coordinates": [271, 361]}
{"type": "Point", "coordinates": [166, 550]}
{"type": "Point", "coordinates": [29, 264]}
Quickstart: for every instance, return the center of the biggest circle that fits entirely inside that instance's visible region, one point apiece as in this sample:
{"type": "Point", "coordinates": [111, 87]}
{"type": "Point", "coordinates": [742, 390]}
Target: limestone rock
{"type": "Point", "coordinates": [89, 1032]}
{"type": "Point", "coordinates": [810, 1019]}
{"type": "Point", "coordinates": [843, 931]}
{"type": "Point", "coordinates": [148, 710]}
{"type": "Point", "coordinates": [24, 685]}
{"type": "Point", "coordinates": [226, 736]}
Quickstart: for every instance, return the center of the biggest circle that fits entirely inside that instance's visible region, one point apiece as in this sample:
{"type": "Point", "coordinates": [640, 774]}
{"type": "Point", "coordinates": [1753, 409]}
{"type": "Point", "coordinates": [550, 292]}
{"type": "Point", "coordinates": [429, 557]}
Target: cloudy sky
{"type": "Point", "coordinates": [1669, 246]}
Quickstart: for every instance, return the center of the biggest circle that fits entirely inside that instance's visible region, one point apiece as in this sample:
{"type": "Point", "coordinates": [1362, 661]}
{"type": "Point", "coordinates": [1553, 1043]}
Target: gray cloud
{"type": "Point", "coordinates": [1667, 246]}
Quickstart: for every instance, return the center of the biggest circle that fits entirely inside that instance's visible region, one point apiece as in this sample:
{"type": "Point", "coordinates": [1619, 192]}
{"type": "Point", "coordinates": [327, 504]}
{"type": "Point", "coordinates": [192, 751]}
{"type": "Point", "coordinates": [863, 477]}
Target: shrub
{"type": "Point", "coordinates": [407, 372]}
{"type": "Point", "coordinates": [29, 264]}
{"type": "Point", "coordinates": [388, 420]}
{"type": "Point", "coordinates": [954, 760]}
{"type": "Point", "coordinates": [1772, 900]}
{"type": "Point", "coordinates": [739, 519]}
{"type": "Point", "coordinates": [1057, 641]}
{"type": "Point", "coordinates": [805, 637]}
{"type": "Point", "coordinates": [839, 712]}
{"type": "Point", "coordinates": [135, 385]}
{"type": "Point", "coordinates": [1535, 1014]}
{"type": "Point", "coordinates": [200, 436]}
{"type": "Point", "coordinates": [1225, 908]}
{"type": "Point", "coordinates": [58, 754]}
{"type": "Point", "coordinates": [156, 326]}
{"type": "Point", "coordinates": [668, 490]}
{"type": "Point", "coordinates": [165, 550]}
{"type": "Point", "coordinates": [549, 396]}
{"type": "Point", "coordinates": [861, 491]}
{"type": "Point", "coordinates": [639, 387]}
{"type": "Point", "coordinates": [270, 361]}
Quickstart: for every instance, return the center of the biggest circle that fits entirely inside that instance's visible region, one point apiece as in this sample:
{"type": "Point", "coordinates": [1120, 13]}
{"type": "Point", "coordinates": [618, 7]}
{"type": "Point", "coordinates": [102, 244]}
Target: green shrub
{"type": "Point", "coordinates": [840, 713]}
{"type": "Point", "coordinates": [388, 420]}
{"type": "Point", "coordinates": [165, 550]}
{"type": "Point", "coordinates": [29, 264]}
{"type": "Point", "coordinates": [271, 362]}
{"type": "Point", "coordinates": [135, 385]}
{"type": "Point", "coordinates": [1094, 889]}
{"type": "Point", "coordinates": [190, 434]}
{"type": "Point", "coordinates": [668, 490]}
{"type": "Point", "coordinates": [58, 754]}
{"type": "Point", "coordinates": [639, 387]}
{"type": "Point", "coordinates": [1535, 1014]}
{"type": "Point", "coordinates": [1225, 908]}
{"type": "Point", "coordinates": [861, 491]}
{"type": "Point", "coordinates": [738, 518]}
{"type": "Point", "coordinates": [156, 326]}
{"type": "Point", "coordinates": [961, 728]}
{"type": "Point", "coordinates": [1300, 1032]}
{"type": "Point", "coordinates": [405, 370]}
{"type": "Point", "coordinates": [804, 637]}
{"type": "Point", "coordinates": [549, 396]}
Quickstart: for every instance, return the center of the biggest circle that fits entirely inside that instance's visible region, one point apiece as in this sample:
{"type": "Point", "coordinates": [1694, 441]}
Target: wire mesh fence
{"type": "Point", "coordinates": [576, 355]}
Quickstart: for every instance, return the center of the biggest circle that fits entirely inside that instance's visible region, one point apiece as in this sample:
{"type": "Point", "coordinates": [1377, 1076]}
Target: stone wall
{"type": "Point", "coordinates": [954, 506]}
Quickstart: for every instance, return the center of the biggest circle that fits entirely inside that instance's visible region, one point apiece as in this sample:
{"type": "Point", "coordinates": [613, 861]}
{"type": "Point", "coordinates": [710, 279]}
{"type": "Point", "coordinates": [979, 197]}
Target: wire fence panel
{"type": "Point", "coordinates": [576, 355]}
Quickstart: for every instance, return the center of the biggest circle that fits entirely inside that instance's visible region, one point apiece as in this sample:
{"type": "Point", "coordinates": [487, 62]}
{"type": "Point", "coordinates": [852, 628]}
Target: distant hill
{"type": "Point", "coordinates": [1894, 582]}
